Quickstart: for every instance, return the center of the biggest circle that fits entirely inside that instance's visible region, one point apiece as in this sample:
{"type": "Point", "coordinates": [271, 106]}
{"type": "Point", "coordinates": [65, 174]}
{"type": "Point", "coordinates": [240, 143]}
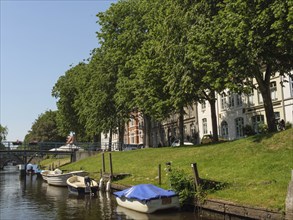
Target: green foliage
{"type": "Point", "coordinates": [248, 130]}
{"type": "Point", "coordinates": [158, 56]}
{"type": "Point", "coordinates": [262, 128]}
{"type": "Point", "coordinates": [3, 134]}
{"type": "Point", "coordinates": [45, 129]}
{"type": "Point", "coordinates": [252, 36]}
{"type": "Point", "coordinates": [182, 184]}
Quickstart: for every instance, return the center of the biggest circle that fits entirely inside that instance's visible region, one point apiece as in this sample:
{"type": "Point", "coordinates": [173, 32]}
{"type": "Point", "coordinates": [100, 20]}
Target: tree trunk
{"type": "Point", "coordinates": [264, 88]}
{"type": "Point", "coordinates": [121, 131]}
{"type": "Point", "coordinates": [181, 125]}
{"type": "Point", "coordinates": [269, 110]}
{"type": "Point", "coordinates": [212, 101]}
{"type": "Point", "coordinates": [147, 130]}
{"type": "Point", "coordinates": [110, 140]}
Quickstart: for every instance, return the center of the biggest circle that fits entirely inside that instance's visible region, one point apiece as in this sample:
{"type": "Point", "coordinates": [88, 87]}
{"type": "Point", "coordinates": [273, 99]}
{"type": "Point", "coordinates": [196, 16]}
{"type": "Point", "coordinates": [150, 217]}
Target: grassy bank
{"type": "Point", "coordinates": [256, 169]}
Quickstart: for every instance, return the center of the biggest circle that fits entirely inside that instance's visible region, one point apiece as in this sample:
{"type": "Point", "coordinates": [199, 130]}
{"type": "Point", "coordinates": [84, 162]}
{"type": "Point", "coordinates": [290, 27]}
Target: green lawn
{"type": "Point", "coordinates": [256, 169]}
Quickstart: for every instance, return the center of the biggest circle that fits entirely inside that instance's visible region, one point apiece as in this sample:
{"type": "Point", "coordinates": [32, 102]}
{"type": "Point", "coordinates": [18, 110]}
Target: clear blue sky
{"type": "Point", "coordinates": [39, 41]}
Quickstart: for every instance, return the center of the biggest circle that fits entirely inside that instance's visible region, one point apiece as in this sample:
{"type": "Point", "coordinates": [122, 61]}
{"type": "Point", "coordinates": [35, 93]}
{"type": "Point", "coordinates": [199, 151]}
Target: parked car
{"type": "Point", "coordinates": [127, 147]}
{"type": "Point", "coordinates": [208, 138]}
{"type": "Point", "coordinates": [176, 143]}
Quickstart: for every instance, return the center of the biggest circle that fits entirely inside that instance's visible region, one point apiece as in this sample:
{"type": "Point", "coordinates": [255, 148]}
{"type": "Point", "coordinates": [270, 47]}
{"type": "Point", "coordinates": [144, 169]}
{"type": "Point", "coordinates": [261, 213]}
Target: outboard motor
{"type": "Point", "coordinates": [87, 180]}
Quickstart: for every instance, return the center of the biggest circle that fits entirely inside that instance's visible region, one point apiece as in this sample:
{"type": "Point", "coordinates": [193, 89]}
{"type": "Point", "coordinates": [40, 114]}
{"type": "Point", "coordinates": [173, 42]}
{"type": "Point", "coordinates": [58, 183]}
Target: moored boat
{"type": "Point", "coordinates": [81, 185]}
{"type": "Point", "coordinates": [44, 173]}
{"type": "Point", "coordinates": [10, 167]}
{"type": "Point", "coordinates": [60, 179]}
{"type": "Point", "coordinates": [32, 169]}
{"type": "Point", "coordinates": [147, 198]}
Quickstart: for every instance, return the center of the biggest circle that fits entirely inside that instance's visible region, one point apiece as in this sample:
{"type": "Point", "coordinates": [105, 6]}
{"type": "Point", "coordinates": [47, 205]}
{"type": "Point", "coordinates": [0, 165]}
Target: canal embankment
{"type": "Point", "coordinates": [256, 171]}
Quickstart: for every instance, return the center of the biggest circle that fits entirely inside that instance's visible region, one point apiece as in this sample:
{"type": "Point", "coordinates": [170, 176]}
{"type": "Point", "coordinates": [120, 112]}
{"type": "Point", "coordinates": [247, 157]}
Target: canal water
{"type": "Point", "coordinates": [30, 198]}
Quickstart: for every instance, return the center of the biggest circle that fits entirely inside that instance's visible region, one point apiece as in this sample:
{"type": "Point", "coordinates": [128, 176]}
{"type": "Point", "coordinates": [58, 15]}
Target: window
{"type": "Point", "coordinates": [259, 96]}
{"type": "Point", "coordinates": [204, 126]}
{"type": "Point", "coordinates": [192, 129]}
{"type": "Point", "coordinates": [277, 115]}
{"type": "Point", "coordinates": [223, 101]}
{"type": "Point", "coordinates": [273, 88]}
{"type": "Point", "coordinates": [131, 122]}
{"type": "Point", "coordinates": [238, 99]}
{"type": "Point", "coordinates": [224, 129]}
{"type": "Point", "coordinates": [250, 98]}
{"type": "Point", "coordinates": [132, 138]}
{"type": "Point", "coordinates": [256, 121]}
{"type": "Point", "coordinates": [231, 99]}
{"type": "Point", "coordinates": [239, 124]}
{"type": "Point", "coordinates": [203, 105]}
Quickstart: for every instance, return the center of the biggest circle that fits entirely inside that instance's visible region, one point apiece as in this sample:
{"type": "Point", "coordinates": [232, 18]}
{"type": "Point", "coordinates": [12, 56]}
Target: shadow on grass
{"type": "Point", "coordinates": [212, 186]}
{"type": "Point", "coordinates": [259, 137]}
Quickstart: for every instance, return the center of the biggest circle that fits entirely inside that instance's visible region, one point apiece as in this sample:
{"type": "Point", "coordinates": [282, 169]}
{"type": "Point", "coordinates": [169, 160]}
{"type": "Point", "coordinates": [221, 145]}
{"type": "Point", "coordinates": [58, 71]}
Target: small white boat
{"type": "Point", "coordinates": [10, 167]}
{"type": "Point", "coordinates": [81, 185]}
{"type": "Point", "coordinates": [67, 147]}
{"type": "Point", "coordinates": [32, 169]}
{"type": "Point", "coordinates": [60, 179]}
{"type": "Point", "coordinates": [147, 198]}
{"type": "Point", "coordinates": [44, 173]}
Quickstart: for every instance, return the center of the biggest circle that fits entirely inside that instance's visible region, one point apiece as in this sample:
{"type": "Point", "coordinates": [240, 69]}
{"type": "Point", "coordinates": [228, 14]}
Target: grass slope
{"type": "Point", "coordinates": [256, 169]}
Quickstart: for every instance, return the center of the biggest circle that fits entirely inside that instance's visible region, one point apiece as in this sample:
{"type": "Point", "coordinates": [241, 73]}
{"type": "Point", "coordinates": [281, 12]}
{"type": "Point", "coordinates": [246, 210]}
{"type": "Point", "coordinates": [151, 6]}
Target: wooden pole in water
{"type": "Point", "coordinates": [111, 168]}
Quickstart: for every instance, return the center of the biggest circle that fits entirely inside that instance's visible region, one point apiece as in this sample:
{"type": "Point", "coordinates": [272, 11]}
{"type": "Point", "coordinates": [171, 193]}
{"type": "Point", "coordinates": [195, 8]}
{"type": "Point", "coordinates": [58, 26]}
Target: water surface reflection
{"type": "Point", "coordinates": [32, 198]}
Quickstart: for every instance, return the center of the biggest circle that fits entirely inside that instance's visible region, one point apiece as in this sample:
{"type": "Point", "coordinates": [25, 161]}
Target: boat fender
{"type": "Point", "coordinates": [101, 183]}
{"type": "Point", "coordinates": [87, 181]}
{"type": "Point", "coordinates": [108, 186]}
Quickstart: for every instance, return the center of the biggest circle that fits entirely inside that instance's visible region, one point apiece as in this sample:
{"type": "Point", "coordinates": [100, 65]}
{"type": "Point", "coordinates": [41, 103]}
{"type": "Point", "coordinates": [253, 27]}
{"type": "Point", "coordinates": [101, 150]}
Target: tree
{"type": "Point", "coordinates": [121, 35]}
{"type": "Point", "coordinates": [45, 129]}
{"type": "Point", "coordinates": [163, 70]}
{"type": "Point", "coordinates": [3, 134]}
{"type": "Point", "coordinates": [257, 41]}
{"type": "Point", "coordinates": [67, 91]}
{"type": "Point", "coordinates": [209, 65]}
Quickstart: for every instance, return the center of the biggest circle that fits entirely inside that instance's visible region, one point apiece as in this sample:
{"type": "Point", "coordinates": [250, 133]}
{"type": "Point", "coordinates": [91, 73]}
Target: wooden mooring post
{"type": "Point", "coordinates": [103, 162]}
{"type": "Point", "coordinates": [196, 176]}
{"type": "Point", "coordinates": [159, 174]}
{"type": "Point", "coordinates": [111, 167]}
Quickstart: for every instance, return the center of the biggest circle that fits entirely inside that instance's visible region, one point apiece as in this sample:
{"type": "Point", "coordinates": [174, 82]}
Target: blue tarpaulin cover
{"type": "Point", "coordinates": [144, 192]}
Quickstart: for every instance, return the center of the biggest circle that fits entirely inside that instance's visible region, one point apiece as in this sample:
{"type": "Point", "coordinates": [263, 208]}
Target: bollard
{"type": "Point", "coordinates": [108, 186]}
{"type": "Point", "coordinates": [101, 184]}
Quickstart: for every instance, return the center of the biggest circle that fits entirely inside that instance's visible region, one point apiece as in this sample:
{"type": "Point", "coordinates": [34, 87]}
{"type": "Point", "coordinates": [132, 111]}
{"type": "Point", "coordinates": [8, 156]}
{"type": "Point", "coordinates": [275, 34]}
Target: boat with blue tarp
{"type": "Point", "coordinates": [147, 198]}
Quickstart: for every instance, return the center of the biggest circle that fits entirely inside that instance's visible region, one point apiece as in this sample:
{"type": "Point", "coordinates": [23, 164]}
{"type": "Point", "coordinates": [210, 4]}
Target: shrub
{"type": "Point", "coordinates": [248, 130]}
{"type": "Point", "coordinates": [182, 184]}
{"type": "Point", "coordinates": [262, 128]}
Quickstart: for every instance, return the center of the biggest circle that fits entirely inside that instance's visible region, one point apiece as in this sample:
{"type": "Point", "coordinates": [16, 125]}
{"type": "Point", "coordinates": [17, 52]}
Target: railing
{"type": "Point", "coordinates": [87, 146]}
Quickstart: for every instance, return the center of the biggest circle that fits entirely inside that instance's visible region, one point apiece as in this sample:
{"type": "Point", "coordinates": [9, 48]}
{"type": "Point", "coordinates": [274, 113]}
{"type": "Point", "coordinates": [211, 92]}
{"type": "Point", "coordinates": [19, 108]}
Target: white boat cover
{"type": "Point", "coordinates": [144, 192]}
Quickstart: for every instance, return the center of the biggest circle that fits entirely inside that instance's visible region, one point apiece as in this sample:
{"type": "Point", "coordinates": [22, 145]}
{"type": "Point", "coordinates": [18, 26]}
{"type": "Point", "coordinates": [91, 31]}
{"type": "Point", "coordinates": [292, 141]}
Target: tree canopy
{"type": "Point", "coordinates": [45, 129]}
{"type": "Point", "coordinates": [159, 56]}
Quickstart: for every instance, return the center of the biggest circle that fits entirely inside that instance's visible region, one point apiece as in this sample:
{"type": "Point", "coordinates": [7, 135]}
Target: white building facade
{"type": "Point", "coordinates": [237, 111]}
